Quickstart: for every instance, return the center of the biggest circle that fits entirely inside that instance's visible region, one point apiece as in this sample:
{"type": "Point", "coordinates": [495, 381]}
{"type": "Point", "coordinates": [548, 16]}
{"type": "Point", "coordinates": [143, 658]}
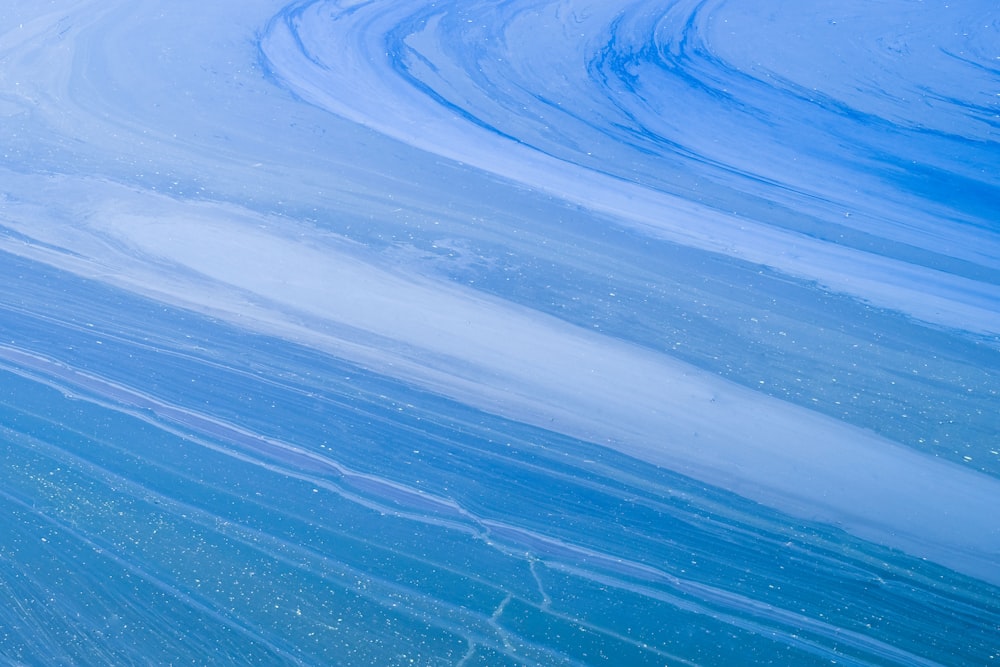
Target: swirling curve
{"type": "Point", "coordinates": [688, 102]}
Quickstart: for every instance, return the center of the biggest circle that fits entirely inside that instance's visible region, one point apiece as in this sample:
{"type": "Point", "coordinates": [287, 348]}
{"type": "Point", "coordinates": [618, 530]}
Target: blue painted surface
{"type": "Point", "coordinates": [499, 333]}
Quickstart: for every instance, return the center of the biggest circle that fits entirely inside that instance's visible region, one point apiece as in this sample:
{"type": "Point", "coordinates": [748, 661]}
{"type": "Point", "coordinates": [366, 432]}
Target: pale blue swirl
{"type": "Point", "coordinates": [810, 147]}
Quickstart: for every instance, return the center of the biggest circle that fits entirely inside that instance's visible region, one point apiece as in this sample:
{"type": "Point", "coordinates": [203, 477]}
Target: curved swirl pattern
{"type": "Point", "coordinates": [549, 332]}
{"type": "Point", "coordinates": [641, 96]}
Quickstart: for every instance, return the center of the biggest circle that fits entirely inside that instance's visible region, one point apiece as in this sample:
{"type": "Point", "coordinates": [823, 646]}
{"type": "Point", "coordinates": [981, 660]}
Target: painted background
{"type": "Point", "coordinates": [484, 333]}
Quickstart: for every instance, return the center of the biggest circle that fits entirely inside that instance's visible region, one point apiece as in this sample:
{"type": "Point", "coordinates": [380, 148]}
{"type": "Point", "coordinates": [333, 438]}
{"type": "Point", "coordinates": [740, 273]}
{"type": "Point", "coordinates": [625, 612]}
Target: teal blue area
{"type": "Point", "coordinates": [158, 535]}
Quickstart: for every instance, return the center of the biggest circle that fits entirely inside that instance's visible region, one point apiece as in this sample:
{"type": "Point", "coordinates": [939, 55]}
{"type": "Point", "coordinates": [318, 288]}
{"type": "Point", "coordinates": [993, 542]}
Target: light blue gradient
{"type": "Point", "coordinates": [529, 332]}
